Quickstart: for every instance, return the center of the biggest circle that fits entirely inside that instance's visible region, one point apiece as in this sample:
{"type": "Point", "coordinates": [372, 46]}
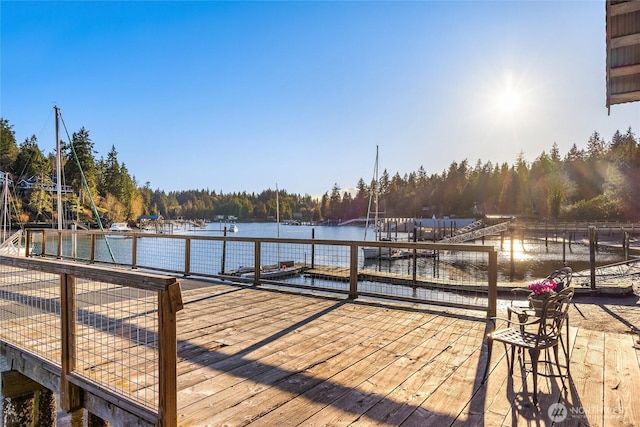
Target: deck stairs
{"type": "Point", "coordinates": [13, 244]}
{"type": "Point", "coordinates": [474, 231]}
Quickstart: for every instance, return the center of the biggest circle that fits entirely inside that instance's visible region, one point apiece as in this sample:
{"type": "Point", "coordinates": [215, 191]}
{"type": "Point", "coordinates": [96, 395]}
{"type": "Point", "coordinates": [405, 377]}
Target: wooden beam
{"type": "Point", "coordinates": [624, 8]}
{"type": "Point", "coordinates": [34, 367]}
{"type": "Point", "coordinates": [15, 384]}
{"type": "Point", "coordinates": [147, 281]}
{"type": "Point", "coordinates": [621, 98]}
{"type": "Point", "coordinates": [623, 41]}
{"type": "Point", "coordinates": [627, 70]}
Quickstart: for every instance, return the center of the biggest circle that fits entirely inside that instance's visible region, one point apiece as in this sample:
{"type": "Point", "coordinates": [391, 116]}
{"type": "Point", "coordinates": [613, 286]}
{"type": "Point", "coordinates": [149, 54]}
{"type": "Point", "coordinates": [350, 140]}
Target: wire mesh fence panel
{"type": "Point", "coordinates": [234, 257]}
{"type": "Point", "coordinates": [117, 339]}
{"type": "Point", "coordinates": [161, 253]}
{"type": "Point", "coordinates": [207, 256]}
{"type": "Point", "coordinates": [30, 311]}
{"type": "Point", "coordinates": [326, 267]}
{"type": "Point", "coordinates": [443, 277]}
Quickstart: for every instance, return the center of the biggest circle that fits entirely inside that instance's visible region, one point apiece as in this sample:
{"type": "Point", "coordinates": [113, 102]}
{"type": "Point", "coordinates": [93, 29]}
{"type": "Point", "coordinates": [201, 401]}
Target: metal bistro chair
{"type": "Point", "coordinates": [548, 334]}
{"type": "Point", "coordinates": [562, 277]}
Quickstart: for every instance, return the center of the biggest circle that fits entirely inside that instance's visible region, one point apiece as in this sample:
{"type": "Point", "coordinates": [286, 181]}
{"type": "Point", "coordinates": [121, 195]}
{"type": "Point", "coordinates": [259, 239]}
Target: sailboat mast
{"type": "Point", "coordinates": [373, 197]}
{"type": "Point", "coordinates": [6, 218]}
{"type": "Point", "coordinates": [375, 227]}
{"type": "Point", "coordinates": [277, 212]}
{"type": "Point", "coordinates": [58, 168]}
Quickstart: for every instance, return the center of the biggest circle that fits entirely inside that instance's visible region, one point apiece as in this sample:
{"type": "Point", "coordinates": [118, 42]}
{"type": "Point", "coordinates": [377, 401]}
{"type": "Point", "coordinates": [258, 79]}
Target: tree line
{"type": "Point", "coordinates": [599, 181]}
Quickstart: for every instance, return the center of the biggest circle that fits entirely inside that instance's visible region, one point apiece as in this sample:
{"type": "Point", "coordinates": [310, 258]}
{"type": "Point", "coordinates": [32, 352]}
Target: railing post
{"type": "Point", "coordinates": [70, 395]}
{"type": "Point", "coordinates": [92, 255]}
{"type": "Point", "coordinates": [353, 271]}
{"type": "Point", "coordinates": [187, 256]}
{"type": "Point", "coordinates": [223, 261]}
{"type": "Point", "coordinates": [27, 245]}
{"type": "Point", "coordinates": [256, 264]}
{"type": "Point", "coordinates": [43, 244]}
{"type": "Point", "coordinates": [169, 303]}
{"type": "Point", "coordinates": [493, 284]}
{"type": "Point", "coordinates": [313, 249]}
{"type": "Point", "coordinates": [134, 253]}
{"type": "Point", "coordinates": [592, 255]}
{"type": "Point", "coordinates": [59, 248]}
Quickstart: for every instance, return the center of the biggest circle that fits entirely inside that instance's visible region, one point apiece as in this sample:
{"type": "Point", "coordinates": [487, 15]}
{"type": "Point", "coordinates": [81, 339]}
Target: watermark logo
{"type": "Point", "coordinates": [557, 412]}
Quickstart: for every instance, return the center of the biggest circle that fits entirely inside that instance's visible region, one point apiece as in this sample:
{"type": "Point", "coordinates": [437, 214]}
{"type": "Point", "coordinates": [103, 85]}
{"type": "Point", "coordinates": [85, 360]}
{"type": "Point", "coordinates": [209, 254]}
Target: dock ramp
{"type": "Point", "coordinates": [476, 232]}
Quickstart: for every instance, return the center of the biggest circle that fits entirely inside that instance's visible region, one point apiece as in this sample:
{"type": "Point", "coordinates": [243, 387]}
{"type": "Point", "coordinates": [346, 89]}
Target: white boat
{"type": "Point", "coordinates": [120, 227]}
{"type": "Point", "coordinates": [233, 228]}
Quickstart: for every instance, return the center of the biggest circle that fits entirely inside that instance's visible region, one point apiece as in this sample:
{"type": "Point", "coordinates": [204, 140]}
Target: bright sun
{"type": "Point", "coordinates": [509, 101]}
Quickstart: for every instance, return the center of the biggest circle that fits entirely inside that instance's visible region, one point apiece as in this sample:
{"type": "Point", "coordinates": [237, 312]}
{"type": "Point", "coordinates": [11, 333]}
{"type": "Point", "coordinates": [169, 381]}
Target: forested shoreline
{"type": "Point", "coordinates": [598, 181]}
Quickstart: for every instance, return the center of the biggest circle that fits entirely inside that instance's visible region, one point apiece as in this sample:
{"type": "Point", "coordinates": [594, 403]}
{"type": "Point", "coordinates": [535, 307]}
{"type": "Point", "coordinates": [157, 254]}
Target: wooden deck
{"type": "Point", "coordinates": [262, 357]}
{"type": "Point", "coordinates": [250, 356]}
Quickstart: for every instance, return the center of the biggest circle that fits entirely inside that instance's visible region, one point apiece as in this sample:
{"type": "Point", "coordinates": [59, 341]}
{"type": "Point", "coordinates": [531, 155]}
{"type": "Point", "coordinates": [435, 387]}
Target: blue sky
{"type": "Point", "coordinates": [236, 96]}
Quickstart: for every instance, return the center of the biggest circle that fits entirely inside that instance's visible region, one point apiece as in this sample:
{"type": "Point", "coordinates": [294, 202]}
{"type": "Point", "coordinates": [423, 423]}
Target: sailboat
{"type": "Point", "coordinates": [283, 268]}
{"type": "Point", "coordinates": [375, 252]}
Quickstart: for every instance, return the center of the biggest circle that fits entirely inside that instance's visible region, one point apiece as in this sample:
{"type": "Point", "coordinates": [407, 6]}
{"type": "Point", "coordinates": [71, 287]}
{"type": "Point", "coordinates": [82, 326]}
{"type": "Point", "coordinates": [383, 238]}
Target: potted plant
{"type": "Point", "coordinates": [540, 291]}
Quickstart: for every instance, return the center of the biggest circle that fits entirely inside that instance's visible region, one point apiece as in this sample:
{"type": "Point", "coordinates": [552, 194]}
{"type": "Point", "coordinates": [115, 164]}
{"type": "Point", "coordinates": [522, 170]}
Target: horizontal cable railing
{"type": "Point", "coordinates": [453, 275]}
{"type": "Point", "coordinates": [109, 332]}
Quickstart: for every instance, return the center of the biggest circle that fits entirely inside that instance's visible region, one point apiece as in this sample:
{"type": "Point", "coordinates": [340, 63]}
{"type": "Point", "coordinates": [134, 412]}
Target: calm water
{"type": "Point", "coordinates": [271, 229]}
{"type": "Point", "coordinates": [531, 259]}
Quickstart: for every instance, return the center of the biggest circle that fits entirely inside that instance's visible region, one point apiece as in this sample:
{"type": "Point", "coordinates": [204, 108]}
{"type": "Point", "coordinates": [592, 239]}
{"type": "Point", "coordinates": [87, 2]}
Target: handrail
{"type": "Point", "coordinates": [13, 243]}
{"type": "Point", "coordinates": [472, 235]}
{"type": "Point", "coordinates": [331, 261]}
{"type": "Point", "coordinates": [168, 303]}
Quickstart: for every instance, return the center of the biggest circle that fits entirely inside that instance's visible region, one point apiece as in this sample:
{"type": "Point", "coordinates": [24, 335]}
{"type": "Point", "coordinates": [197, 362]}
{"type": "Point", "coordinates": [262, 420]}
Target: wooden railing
{"type": "Point", "coordinates": [463, 276]}
{"type": "Point", "coordinates": [63, 315]}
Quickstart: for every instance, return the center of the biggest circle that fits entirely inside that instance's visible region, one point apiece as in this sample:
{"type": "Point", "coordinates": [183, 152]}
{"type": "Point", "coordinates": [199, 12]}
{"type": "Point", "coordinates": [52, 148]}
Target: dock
{"type": "Point", "coordinates": [258, 356]}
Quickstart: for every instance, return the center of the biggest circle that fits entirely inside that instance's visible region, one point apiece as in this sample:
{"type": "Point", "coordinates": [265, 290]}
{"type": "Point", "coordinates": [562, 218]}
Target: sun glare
{"type": "Point", "coordinates": [509, 101]}
{"type": "Point", "coordinates": [508, 97]}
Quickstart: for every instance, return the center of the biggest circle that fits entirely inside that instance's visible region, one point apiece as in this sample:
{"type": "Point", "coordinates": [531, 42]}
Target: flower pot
{"type": "Point", "coordinates": [537, 301]}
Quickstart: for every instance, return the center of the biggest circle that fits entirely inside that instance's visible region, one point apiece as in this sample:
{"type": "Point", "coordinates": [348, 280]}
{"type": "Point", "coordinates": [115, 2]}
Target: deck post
{"type": "Point", "coordinates": [92, 255]}
{"type": "Point", "coordinates": [43, 245]}
{"type": "Point", "coordinates": [593, 243]}
{"type": "Point", "coordinates": [134, 253]}
{"type": "Point", "coordinates": [353, 271]}
{"type": "Point", "coordinates": [70, 394]}
{"type": "Point", "coordinates": [187, 256]}
{"type": "Point", "coordinates": [256, 264]}
{"type": "Point", "coordinates": [59, 248]}
{"type": "Point", "coordinates": [169, 303]}
{"type": "Point", "coordinates": [27, 245]}
{"type": "Point", "coordinates": [493, 284]}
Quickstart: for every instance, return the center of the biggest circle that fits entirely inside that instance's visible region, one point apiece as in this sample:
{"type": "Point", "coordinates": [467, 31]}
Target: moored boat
{"type": "Point", "coordinates": [120, 227]}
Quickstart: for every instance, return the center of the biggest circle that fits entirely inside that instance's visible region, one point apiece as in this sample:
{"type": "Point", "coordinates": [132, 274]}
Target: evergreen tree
{"type": "Point", "coordinates": [79, 160]}
{"type": "Point", "coordinates": [8, 147]}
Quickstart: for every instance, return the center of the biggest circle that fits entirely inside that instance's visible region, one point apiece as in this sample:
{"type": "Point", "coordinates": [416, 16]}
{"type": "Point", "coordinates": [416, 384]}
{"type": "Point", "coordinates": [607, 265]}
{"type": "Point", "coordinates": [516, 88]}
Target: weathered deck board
{"type": "Point", "coordinates": [621, 374]}
{"type": "Point", "coordinates": [587, 376]}
{"type": "Point", "coordinates": [358, 364]}
{"type": "Point", "coordinates": [260, 357]}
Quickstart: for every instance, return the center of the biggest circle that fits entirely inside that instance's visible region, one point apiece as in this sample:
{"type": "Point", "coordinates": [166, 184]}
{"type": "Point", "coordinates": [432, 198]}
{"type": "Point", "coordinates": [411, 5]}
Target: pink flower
{"type": "Point", "coordinates": [542, 287]}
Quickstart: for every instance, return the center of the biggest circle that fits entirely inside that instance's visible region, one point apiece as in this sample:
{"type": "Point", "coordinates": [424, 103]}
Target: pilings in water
{"type": "Point", "coordinates": [27, 403]}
